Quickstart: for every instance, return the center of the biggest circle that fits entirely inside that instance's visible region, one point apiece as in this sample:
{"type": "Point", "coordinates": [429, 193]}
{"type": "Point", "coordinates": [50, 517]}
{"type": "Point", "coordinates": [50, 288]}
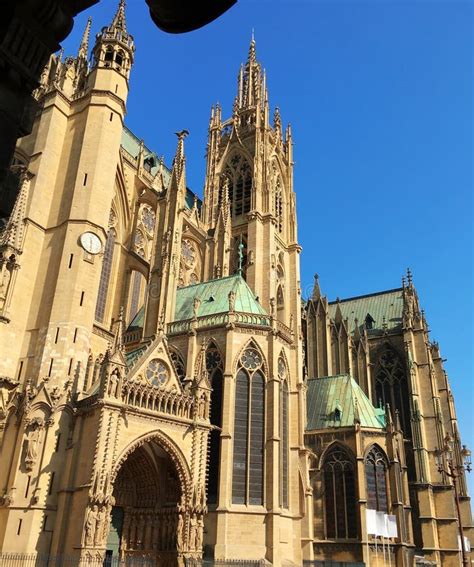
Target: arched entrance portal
{"type": "Point", "coordinates": [145, 516]}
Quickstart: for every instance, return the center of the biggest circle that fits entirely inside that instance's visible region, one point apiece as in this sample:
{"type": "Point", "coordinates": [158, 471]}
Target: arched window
{"type": "Point", "coordinates": [105, 276]}
{"type": "Point", "coordinates": [391, 386]}
{"type": "Point", "coordinates": [339, 495]}
{"type": "Point", "coordinates": [239, 175]}
{"type": "Point", "coordinates": [119, 58]}
{"type": "Point", "coordinates": [109, 56]}
{"type": "Point", "coordinates": [249, 426]}
{"type": "Point", "coordinates": [214, 369]}
{"type": "Point", "coordinates": [284, 445]}
{"type": "Point", "coordinates": [376, 479]}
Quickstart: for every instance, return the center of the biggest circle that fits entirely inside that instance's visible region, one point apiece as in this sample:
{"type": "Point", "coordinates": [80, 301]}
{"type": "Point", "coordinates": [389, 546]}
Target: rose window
{"type": "Point", "coordinates": [251, 359]}
{"type": "Point", "coordinates": [157, 373]}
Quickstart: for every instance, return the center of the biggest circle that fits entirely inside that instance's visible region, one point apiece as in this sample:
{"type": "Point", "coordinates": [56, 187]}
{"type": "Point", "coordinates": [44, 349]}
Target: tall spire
{"type": "Point", "coordinates": [84, 46]}
{"type": "Point", "coordinates": [119, 19]}
{"type": "Point", "coordinates": [250, 80]}
{"type": "Point", "coordinates": [179, 159]}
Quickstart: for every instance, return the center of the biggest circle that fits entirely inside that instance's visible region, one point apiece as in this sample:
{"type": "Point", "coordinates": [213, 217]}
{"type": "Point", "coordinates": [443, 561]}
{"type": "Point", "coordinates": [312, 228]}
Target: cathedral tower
{"type": "Point", "coordinates": [54, 247]}
{"type": "Point", "coordinates": [250, 181]}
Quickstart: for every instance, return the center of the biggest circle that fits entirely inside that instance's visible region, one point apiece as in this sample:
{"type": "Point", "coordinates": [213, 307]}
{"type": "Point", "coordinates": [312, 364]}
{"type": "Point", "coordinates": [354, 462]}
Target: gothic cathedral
{"type": "Point", "coordinates": [166, 394]}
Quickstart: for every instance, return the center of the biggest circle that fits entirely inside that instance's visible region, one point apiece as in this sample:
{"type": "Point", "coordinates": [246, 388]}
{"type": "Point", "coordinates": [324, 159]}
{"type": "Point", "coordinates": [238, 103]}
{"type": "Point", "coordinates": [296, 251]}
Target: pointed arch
{"type": "Point", "coordinates": [391, 385]}
{"type": "Point", "coordinates": [238, 172]}
{"type": "Point", "coordinates": [376, 469]}
{"type": "Point", "coordinates": [251, 344]}
{"type": "Point", "coordinates": [249, 427]}
{"type": "Point", "coordinates": [339, 479]}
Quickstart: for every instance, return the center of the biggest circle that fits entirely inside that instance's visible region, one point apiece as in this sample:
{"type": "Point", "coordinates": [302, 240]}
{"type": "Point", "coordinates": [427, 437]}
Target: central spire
{"type": "Point", "coordinates": [251, 83]}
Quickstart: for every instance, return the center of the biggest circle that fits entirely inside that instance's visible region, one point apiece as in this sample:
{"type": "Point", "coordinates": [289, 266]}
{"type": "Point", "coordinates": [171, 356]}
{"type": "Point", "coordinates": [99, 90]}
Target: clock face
{"type": "Point", "coordinates": [91, 242]}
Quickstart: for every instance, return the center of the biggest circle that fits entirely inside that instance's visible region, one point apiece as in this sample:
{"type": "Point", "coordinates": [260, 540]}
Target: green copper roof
{"type": "Point", "coordinates": [332, 394]}
{"type": "Point", "coordinates": [133, 355]}
{"type": "Point", "coordinates": [388, 304]}
{"type": "Point", "coordinates": [138, 321]}
{"type": "Point", "coordinates": [214, 296]}
{"type": "Point", "coordinates": [131, 144]}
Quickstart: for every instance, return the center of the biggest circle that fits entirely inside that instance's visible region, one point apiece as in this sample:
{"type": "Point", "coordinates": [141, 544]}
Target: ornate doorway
{"type": "Point", "coordinates": [146, 516]}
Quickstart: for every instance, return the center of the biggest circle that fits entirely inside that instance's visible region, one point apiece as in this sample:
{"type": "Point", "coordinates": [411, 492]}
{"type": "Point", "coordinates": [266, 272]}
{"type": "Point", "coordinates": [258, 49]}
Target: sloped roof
{"type": "Point", "coordinates": [131, 144]}
{"type": "Point", "coordinates": [342, 392]}
{"type": "Point", "coordinates": [138, 321]}
{"type": "Point", "coordinates": [214, 296]}
{"type": "Point", "coordinates": [133, 355]}
{"type": "Point", "coordinates": [388, 304]}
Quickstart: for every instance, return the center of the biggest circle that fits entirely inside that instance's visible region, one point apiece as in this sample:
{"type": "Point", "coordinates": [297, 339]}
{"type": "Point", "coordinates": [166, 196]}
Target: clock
{"type": "Point", "coordinates": [90, 242]}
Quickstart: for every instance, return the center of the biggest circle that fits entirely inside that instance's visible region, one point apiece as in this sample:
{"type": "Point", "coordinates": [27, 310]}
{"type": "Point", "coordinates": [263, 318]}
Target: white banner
{"type": "Point", "coordinates": [371, 520]}
{"type": "Point", "coordinates": [467, 544]}
{"type": "Point", "coordinates": [380, 524]}
{"type": "Point", "coordinates": [392, 526]}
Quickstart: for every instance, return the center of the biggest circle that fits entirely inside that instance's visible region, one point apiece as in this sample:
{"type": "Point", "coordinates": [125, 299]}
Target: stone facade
{"type": "Point", "coordinates": [158, 364]}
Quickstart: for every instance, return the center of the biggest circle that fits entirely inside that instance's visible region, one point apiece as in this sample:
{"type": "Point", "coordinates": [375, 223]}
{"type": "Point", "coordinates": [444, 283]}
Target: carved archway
{"type": "Point", "coordinates": [151, 491]}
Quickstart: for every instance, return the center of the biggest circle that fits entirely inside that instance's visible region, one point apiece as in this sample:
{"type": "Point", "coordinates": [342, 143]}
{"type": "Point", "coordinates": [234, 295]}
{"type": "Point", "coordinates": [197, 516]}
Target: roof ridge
{"type": "Point", "coordinates": [385, 292]}
{"type": "Point", "coordinates": [213, 280]}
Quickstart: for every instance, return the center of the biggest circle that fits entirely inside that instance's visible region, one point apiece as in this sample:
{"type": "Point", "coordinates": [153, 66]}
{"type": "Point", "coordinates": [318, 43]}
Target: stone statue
{"type": "Point", "coordinates": [231, 297]}
{"type": "Point", "coordinates": [91, 526]}
{"type": "Point", "coordinates": [199, 534]}
{"type": "Point", "coordinates": [180, 533]}
{"type": "Point", "coordinates": [32, 443]}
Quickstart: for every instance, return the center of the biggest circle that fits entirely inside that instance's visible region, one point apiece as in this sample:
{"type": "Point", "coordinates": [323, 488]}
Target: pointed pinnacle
{"type": "Point", "coordinates": [119, 18]}
{"type": "Point", "coordinates": [84, 46]}
{"type": "Point", "coordinates": [316, 288]}
{"type": "Point", "coordinates": [252, 58]}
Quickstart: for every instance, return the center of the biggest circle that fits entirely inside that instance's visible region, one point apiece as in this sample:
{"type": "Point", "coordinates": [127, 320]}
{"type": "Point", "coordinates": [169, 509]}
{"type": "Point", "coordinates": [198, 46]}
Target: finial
{"type": "Point", "coordinates": [241, 256]}
{"type": "Point", "coordinates": [409, 277]}
{"type": "Point", "coordinates": [403, 282]}
{"type": "Point", "coordinates": [252, 58]}
{"type": "Point", "coordinates": [84, 46]}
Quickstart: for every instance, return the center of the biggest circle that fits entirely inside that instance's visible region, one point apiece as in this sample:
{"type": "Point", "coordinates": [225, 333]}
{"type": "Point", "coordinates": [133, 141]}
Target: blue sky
{"type": "Point", "coordinates": [379, 95]}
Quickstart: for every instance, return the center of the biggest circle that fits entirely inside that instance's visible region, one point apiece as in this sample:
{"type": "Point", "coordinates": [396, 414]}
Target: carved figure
{"type": "Point", "coordinates": [91, 526]}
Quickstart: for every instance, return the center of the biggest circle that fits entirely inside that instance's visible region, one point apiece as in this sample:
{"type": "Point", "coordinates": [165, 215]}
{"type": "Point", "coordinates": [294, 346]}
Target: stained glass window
{"type": "Point", "coordinates": [284, 447]}
{"type": "Point", "coordinates": [214, 369]}
{"type": "Point", "coordinates": [105, 276]}
{"type": "Point", "coordinates": [376, 479]}
{"type": "Point", "coordinates": [249, 430]}
{"type": "Point", "coordinates": [391, 386]}
{"type": "Point", "coordinates": [339, 495]}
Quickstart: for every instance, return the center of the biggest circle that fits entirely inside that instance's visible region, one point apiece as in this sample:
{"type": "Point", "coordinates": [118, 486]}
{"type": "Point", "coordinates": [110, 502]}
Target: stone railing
{"type": "Point", "coordinates": [219, 319]}
{"type": "Point", "coordinates": [152, 398]}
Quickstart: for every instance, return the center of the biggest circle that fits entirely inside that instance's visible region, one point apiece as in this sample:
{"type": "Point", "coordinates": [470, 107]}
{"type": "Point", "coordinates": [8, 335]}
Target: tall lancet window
{"type": "Point", "coordinates": [214, 368]}
{"type": "Point", "coordinates": [391, 386]}
{"type": "Point", "coordinates": [278, 205]}
{"type": "Point", "coordinates": [339, 494]}
{"type": "Point", "coordinates": [376, 479]}
{"type": "Point", "coordinates": [284, 444]}
{"type": "Point", "coordinates": [249, 430]}
{"type": "Point", "coordinates": [239, 175]}
{"type": "Point", "coordinates": [105, 276]}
